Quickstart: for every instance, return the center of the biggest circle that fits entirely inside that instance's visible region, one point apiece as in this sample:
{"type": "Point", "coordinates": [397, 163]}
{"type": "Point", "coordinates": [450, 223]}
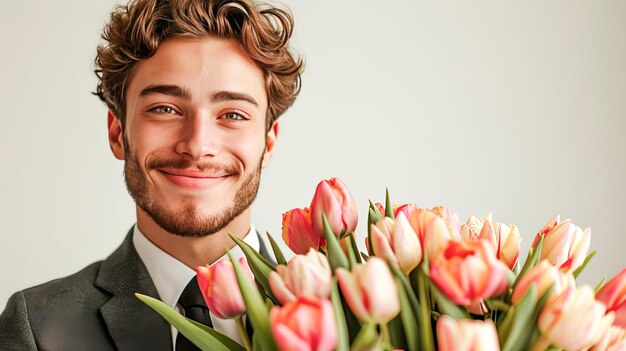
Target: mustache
{"type": "Point", "coordinates": [183, 163]}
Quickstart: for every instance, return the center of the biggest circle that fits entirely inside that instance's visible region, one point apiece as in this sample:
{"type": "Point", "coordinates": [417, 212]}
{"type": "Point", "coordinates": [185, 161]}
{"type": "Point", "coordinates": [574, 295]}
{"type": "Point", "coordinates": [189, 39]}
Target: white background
{"type": "Point", "coordinates": [518, 107]}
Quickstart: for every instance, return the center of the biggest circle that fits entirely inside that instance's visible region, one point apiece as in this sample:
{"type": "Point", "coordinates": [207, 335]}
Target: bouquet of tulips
{"type": "Point", "coordinates": [425, 283]}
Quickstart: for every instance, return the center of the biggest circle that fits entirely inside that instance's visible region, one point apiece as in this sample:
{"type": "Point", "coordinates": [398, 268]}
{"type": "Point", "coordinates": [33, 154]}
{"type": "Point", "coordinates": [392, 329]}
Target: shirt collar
{"type": "Point", "coordinates": [170, 276]}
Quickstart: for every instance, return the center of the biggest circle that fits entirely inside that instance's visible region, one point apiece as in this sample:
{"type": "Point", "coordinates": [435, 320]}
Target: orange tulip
{"type": "Point", "coordinates": [468, 271]}
{"type": "Point", "coordinates": [298, 231]}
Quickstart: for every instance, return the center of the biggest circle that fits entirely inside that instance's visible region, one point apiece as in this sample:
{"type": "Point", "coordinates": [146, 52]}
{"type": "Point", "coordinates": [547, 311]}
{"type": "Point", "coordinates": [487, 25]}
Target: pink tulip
{"type": "Point", "coordinates": [305, 324]}
{"type": "Point", "coordinates": [333, 198]}
{"type": "Point", "coordinates": [573, 320]}
{"type": "Point", "coordinates": [451, 220]}
{"type": "Point", "coordinates": [504, 239]}
{"type": "Point", "coordinates": [613, 296]}
{"type": "Point", "coordinates": [396, 241]}
{"type": "Point", "coordinates": [218, 284]}
{"type": "Point", "coordinates": [544, 276]}
{"type": "Point", "coordinates": [613, 340]}
{"type": "Point", "coordinates": [298, 231]}
{"type": "Point", "coordinates": [466, 335]}
{"type": "Point", "coordinates": [370, 291]}
{"type": "Point", "coordinates": [308, 274]}
{"type": "Point", "coordinates": [407, 209]}
{"type": "Point", "coordinates": [431, 229]}
{"type": "Point", "coordinates": [564, 245]}
{"type": "Point", "coordinates": [468, 271]}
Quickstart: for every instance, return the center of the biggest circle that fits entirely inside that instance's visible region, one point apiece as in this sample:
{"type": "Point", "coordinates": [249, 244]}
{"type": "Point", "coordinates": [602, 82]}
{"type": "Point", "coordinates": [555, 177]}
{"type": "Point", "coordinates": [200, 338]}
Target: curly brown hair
{"type": "Point", "coordinates": [136, 30]}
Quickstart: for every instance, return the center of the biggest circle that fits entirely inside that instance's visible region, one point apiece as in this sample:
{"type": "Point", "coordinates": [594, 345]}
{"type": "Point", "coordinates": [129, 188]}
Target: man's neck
{"type": "Point", "coordinates": [194, 251]}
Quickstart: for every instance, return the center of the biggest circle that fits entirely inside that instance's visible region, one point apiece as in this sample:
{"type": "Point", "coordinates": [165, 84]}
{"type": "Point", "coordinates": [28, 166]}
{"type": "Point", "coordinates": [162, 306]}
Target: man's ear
{"type": "Point", "coordinates": [270, 144]}
{"type": "Point", "coordinates": [116, 136]}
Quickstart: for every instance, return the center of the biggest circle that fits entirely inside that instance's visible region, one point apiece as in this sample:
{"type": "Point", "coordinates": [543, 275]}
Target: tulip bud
{"type": "Point", "coordinates": [396, 241]}
{"type": "Point", "coordinates": [219, 287]}
{"type": "Point", "coordinates": [451, 220]}
{"type": "Point", "coordinates": [370, 291]}
{"type": "Point", "coordinates": [613, 296]}
{"type": "Point", "coordinates": [308, 274]}
{"type": "Point", "coordinates": [304, 324]}
{"type": "Point", "coordinates": [504, 239]}
{"type": "Point", "coordinates": [298, 231]}
{"type": "Point", "coordinates": [564, 245]}
{"type": "Point", "coordinates": [573, 320]}
{"type": "Point", "coordinates": [544, 276]}
{"type": "Point", "coordinates": [468, 271]}
{"type": "Point", "coordinates": [613, 340]}
{"type": "Point", "coordinates": [407, 209]}
{"type": "Point", "coordinates": [333, 199]}
{"type": "Point", "coordinates": [430, 229]}
{"type": "Point", "coordinates": [466, 335]}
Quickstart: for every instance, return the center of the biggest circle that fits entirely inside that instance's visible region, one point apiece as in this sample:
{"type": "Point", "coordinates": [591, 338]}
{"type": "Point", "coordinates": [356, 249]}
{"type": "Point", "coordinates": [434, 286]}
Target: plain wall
{"type": "Point", "coordinates": [515, 107]}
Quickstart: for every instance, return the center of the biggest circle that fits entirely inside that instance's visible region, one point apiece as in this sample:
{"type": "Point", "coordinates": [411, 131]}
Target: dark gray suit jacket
{"type": "Point", "coordinates": [94, 309]}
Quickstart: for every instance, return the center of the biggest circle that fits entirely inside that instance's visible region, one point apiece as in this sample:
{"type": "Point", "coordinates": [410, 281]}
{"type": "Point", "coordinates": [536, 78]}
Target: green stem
{"type": "Point", "coordinates": [541, 344]}
{"type": "Point", "coordinates": [384, 329]}
{"type": "Point", "coordinates": [243, 333]}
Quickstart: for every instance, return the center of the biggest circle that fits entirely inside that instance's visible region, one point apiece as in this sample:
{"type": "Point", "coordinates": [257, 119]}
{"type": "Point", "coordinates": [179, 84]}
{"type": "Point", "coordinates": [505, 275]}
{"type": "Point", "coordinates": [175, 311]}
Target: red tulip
{"type": "Point", "coordinates": [298, 231]}
{"type": "Point", "coordinates": [333, 199]}
{"type": "Point", "coordinates": [218, 284]}
{"type": "Point", "coordinates": [468, 271]}
{"type": "Point", "coordinates": [308, 274]}
{"type": "Point", "coordinates": [370, 291]}
{"type": "Point", "coordinates": [564, 245]}
{"type": "Point", "coordinates": [466, 335]}
{"type": "Point", "coordinates": [613, 296]}
{"type": "Point", "coordinates": [305, 324]}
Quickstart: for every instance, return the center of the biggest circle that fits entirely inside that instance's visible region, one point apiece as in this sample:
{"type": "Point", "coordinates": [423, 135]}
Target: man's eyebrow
{"type": "Point", "coordinates": [224, 95]}
{"type": "Point", "coordinates": [171, 90]}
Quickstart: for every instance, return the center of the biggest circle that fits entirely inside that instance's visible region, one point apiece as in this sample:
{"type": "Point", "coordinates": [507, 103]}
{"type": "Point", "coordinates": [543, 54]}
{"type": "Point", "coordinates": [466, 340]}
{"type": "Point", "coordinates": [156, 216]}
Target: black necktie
{"type": "Point", "coordinates": [195, 308]}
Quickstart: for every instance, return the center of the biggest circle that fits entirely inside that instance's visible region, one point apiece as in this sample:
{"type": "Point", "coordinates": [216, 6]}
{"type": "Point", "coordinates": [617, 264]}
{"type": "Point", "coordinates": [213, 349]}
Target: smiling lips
{"type": "Point", "coordinates": [193, 179]}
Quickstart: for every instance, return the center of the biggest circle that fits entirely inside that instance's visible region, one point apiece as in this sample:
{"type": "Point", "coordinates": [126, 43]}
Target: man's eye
{"type": "Point", "coordinates": [234, 116]}
{"type": "Point", "coordinates": [164, 110]}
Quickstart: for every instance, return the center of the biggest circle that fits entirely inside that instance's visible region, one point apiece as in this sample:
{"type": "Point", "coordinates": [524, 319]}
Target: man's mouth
{"type": "Point", "coordinates": [193, 179]}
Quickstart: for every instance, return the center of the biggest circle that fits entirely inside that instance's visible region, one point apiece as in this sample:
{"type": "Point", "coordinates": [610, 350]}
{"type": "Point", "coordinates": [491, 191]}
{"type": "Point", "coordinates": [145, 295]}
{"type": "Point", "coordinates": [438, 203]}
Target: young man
{"type": "Point", "coordinates": [194, 90]}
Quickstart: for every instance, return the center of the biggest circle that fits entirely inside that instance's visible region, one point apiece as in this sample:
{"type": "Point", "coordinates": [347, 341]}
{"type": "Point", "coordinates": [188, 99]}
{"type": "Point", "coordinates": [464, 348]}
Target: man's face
{"type": "Point", "coordinates": [194, 141]}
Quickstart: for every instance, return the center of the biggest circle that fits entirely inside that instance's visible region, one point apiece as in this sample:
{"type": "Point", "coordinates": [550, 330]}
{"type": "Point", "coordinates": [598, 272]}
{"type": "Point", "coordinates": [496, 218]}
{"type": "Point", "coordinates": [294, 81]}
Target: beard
{"type": "Point", "coordinates": [187, 220]}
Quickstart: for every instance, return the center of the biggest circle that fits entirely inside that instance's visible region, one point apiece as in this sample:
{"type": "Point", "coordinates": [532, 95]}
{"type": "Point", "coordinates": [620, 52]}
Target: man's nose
{"type": "Point", "coordinates": [199, 137]}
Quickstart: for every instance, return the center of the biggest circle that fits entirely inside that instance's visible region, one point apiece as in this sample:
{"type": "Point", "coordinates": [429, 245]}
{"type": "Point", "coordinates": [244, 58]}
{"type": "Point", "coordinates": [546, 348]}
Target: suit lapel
{"type": "Point", "coordinates": [131, 324]}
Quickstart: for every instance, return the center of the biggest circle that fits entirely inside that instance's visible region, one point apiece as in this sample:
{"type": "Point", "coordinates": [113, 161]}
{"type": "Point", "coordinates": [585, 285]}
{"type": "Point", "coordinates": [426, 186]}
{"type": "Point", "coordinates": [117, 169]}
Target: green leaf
{"type": "Point", "coordinates": [599, 286]}
{"type": "Point", "coordinates": [336, 257]}
{"type": "Point", "coordinates": [355, 248]}
{"type": "Point", "coordinates": [408, 318]}
{"type": "Point", "coordinates": [585, 262]}
{"type": "Point", "coordinates": [374, 213]}
{"type": "Point", "coordinates": [257, 310]}
{"type": "Point", "coordinates": [367, 339]}
{"type": "Point", "coordinates": [388, 209]}
{"type": "Point", "coordinates": [343, 339]}
{"type": "Point", "coordinates": [426, 328]}
{"type": "Point", "coordinates": [522, 318]}
{"type": "Point", "coordinates": [280, 258]}
{"type": "Point", "coordinates": [204, 339]}
{"type": "Point", "coordinates": [534, 254]}
{"type": "Point", "coordinates": [446, 306]}
{"type": "Point", "coordinates": [406, 285]}
{"type": "Point", "coordinates": [259, 265]}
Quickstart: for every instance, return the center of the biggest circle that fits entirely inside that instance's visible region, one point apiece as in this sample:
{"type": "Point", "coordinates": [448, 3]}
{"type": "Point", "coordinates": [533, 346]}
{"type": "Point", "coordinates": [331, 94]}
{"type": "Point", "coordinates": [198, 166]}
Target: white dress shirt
{"type": "Point", "coordinates": [170, 277]}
